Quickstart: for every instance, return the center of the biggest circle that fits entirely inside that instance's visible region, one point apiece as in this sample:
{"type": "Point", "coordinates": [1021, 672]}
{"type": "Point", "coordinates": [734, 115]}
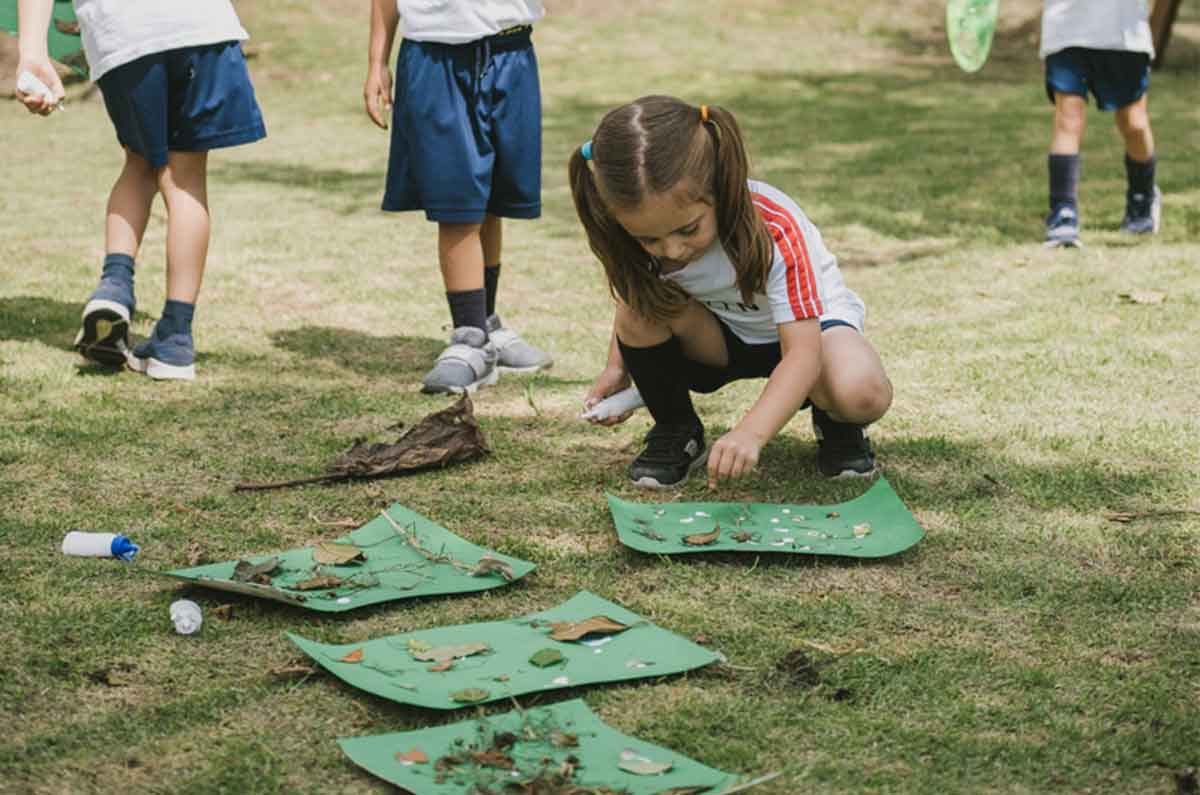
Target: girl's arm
{"type": "Point", "coordinates": [377, 91]}
{"type": "Point", "coordinates": [34, 21]}
{"type": "Point", "coordinates": [736, 453]}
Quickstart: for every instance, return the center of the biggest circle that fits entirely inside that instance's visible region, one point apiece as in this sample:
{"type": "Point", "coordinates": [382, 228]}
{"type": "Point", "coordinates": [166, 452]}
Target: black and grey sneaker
{"type": "Point", "coordinates": [1062, 228]}
{"type": "Point", "coordinates": [843, 448]}
{"type": "Point", "coordinates": [670, 454]}
{"type": "Point", "coordinates": [1143, 214]}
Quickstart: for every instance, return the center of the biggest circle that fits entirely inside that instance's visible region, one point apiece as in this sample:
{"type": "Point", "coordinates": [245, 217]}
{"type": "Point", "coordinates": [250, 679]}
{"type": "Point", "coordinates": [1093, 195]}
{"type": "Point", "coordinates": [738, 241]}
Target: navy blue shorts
{"type": "Point", "coordinates": [467, 130]}
{"type": "Point", "coordinates": [746, 360]}
{"type": "Point", "coordinates": [188, 100]}
{"type": "Point", "coordinates": [1116, 77]}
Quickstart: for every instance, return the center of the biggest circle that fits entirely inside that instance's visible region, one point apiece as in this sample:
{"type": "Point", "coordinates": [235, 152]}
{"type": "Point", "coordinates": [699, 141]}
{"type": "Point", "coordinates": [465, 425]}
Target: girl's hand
{"type": "Point", "coordinates": [610, 381]}
{"type": "Point", "coordinates": [43, 70]}
{"type": "Point", "coordinates": [733, 455]}
{"type": "Point", "coordinates": [377, 94]}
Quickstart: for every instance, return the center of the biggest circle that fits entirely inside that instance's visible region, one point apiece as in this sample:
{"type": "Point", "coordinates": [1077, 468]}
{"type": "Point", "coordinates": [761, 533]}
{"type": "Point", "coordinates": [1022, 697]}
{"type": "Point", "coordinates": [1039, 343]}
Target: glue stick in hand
{"type": "Point", "coordinates": [615, 405]}
{"type": "Point", "coordinates": [28, 83]}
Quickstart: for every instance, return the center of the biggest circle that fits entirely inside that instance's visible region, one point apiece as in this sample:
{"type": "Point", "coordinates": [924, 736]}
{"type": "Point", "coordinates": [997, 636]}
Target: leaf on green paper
{"type": "Point", "coordinates": [596, 625]}
{"type": "Point", "coordinates": [632, 762]}
{"type": "Point", "coordinates": [317, 583]}
{"type": "Point", "coordinates": [442, 666]}
{"type": "Point", "coordinates": [245, 571]}
{"type": "Point", "coordinates": [415, 646]}
{"type": "Point", "coordinates": [353, 657]}
{"type": "Point", "coordinates": [743, 536]}
{"type": "Point", "coordinates": [470, 695]}
{"type": "Point", "coordinates": [563, 740]}
{"type": "Point", "coordinates": [334, 554]}
{"type": "Point", "coordinates": [414, 757]}
{"type": "Point", "coordinates": [544, 658]}
{"type": "Point", "coordinates": [500, 678]}
{"type": "Point", "coordinates": [490, 565]}
{"type": "Point", "coordinates": [447, 653]}
{"type": "Point", "coordinates": [703, 539]}
{"type": "Point", "coordinates": [832, 515]}
{"type": "Point", "coordinates": [493, 758]}
{"type": "Point", "coordinates": [862, 530]}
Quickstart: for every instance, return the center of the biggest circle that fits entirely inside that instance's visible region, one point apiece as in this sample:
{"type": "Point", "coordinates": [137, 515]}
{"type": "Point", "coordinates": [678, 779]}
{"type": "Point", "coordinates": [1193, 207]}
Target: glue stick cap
{"type": "Point", "coordinates": [123, 548]}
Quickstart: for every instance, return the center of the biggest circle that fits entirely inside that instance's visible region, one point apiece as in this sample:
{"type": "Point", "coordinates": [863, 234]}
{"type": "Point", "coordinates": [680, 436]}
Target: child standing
{"type": "Point", "coordinates": [467, 148]}
{"type": "Point", "coordinates": [1105, 47]}
{"type": "Point", "coordinates": [718, 278]}
{"type": "Point", "coordinates": [175, 85]}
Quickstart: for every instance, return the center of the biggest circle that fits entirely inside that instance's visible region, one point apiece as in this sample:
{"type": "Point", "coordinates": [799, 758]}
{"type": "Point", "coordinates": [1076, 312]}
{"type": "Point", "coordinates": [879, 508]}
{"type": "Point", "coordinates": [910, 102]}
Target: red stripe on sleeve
{"type": "Point", "coordinates": [801, 280]}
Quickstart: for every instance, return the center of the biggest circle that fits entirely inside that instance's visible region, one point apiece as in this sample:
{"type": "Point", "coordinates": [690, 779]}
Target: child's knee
{"type": "Point", "coordinates": [863, 396]}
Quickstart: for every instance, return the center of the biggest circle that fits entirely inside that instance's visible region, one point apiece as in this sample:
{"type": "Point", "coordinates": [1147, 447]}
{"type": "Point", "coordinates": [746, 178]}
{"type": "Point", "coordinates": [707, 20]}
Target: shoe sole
{"type": "Point", "coordinates": [103, 337]}
{"type": "Point", "coordinates": [854, 474]}
{"type": "Point", "coordinates": [160, 370]}
{"type": "Point", "coordinates": [470, 389]}
{"type": "Point", "coordinates": [647, 482]}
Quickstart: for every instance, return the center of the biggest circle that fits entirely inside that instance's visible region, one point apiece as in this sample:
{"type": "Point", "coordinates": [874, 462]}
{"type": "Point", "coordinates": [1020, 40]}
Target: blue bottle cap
{"type": "Point", "coordinates": [123, 548]}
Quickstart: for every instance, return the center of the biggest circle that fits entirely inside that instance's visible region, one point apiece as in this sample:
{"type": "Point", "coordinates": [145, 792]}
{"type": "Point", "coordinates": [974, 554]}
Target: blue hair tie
{"type": "Point", "coordinates": [586, 150]}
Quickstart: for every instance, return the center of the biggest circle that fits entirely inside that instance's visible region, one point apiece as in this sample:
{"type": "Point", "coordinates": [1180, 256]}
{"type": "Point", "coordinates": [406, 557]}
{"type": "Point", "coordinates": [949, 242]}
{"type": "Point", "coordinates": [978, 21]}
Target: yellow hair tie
{"type": "Point", "coordinates": [704, 114]}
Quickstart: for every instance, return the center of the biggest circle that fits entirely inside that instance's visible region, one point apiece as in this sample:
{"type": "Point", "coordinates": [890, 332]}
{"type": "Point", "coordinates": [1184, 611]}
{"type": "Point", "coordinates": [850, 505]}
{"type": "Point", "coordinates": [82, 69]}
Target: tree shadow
{"type": "Point", "coordinates": [396, 356]}
{"type": "Point", "coordinates": [30, 318]}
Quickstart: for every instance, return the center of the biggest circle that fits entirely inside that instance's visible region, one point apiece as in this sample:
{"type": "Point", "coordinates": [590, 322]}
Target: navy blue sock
{"type": "Point", "coordinates": [1140, 175]}
{"type": "Point", "coordinates": [468, 308]}
{"type": "Point", "coordinates": [491, 280]}
{"type": "Point", "coordinates": [1064, 180]}
{"type": "Point", "coordinates": [176, 319]}
{"type": "Point", "coordinates": [657, 372]}
{"type": "Point", "coordinates": [118, 267]}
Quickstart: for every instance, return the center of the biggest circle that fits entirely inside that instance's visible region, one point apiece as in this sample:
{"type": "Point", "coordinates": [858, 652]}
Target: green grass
{"type": "Point", "coordinates": [1028, 644]}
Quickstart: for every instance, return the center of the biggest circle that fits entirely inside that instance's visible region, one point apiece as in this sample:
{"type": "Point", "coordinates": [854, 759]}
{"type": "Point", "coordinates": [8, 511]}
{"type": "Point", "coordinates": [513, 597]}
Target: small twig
{"type": "Point", "coordinates": [283, 484]}
{"type": "Point", "coordinates": [409, 534]}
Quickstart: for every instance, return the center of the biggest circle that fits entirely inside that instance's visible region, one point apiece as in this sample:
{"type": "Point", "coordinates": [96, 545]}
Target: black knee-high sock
{"type": "Point", "coordinates": [658, 375]}
{"type": "Point", "coordinates": [1140, 175]}
{"type": "Point", "coordinates": [468, 308]}
{"type": "Point", "coordinates": [491, 280]}
{"type": "Point", "coordinates": [1064, 180]}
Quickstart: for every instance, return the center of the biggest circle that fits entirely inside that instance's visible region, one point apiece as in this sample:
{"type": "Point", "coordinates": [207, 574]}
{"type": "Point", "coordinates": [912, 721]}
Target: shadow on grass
{"type": "Point", "coordinates": [406, 358]}
{"type": "Point", "coordinates": [354, 191]}
{"type": "Point", "coordinates": [29, 318]}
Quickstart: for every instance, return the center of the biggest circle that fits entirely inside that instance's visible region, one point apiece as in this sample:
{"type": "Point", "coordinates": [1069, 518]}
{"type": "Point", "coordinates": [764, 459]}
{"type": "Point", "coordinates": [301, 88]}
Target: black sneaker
{"type": "Point", "coordinates": [843, 449]}
{"type": "Point", "coordinates": [671, 452]}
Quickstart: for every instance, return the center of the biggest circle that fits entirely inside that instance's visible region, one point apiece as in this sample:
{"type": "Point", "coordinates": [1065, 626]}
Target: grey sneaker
{"type": "Point", "coordinates": [515, 354]}
{"type": "Point", "coordinates": [104, 331]}
{"type": "Point", "coordinates": [468, 363]}
{"type": "Point", "coordinates": [172, 358]}
{"type": "Point", "coordinates": [1062, 227]}
{"type": "Point", "coordinates": [1143, 214]}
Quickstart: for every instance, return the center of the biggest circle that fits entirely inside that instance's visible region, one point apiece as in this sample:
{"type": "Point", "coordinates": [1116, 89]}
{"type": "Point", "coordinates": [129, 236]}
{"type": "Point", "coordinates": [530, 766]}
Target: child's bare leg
{"type": "Point", "coordinates": [184, 186]}
{"type": "Point", "coordinates": [129, 206]}
{"type": "Point", "coordinates": [104, 329]}
{"type": "Point", "coordinates": [699, 334]}
{"type": "Point", "coordinates": [1070, 122]}
{"type": "Point", "coordinates": [853, 386]}
{"type": "Point", "coordinates": [1133, 121]}
{"type": "Point", "coordinates": [460, 256]}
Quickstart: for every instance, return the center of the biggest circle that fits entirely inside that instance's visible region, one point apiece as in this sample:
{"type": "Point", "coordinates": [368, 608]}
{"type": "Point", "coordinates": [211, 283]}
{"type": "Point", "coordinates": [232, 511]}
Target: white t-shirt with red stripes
{"type": "Point", "coordinates": [804, 280]}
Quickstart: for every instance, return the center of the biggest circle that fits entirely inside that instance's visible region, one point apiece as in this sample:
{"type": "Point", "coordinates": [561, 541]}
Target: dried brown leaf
{"type": "Point", "coordinates": [447, 653]}
{"type": "Point", "coordinates": [245, 571]}
{"type": "Point", "coordinates": [596, 625]}
{"type": "Point", "coordinates": [703, 539]}
{"type": "Point", "coordinates": [223, 612]}
{"type": "Point", "coordinates": [414, 757]}
{"type": "Point", "coordinates": [318, 583]}
{"type": "Point", "coordinates": [832, 515]}
{"type": "Point", "coordinates": [632, 762]}
{"type": "Point", "coordinates": [331, 553]}
{"type": "Point", "coordinates": [493, 758]}
{"type": "Point", "coordinates": [490, 565]}
{"type": "Point", "coordinates": [195, 555]}
{"type": "Point", "coordinates": [442, 666]}
{"type": "Point", "coordinates": [355, 656]}
{"type": "Point", "coordinates": [563, 740]}
{"type": "Point", "coordinates": [470, 695]}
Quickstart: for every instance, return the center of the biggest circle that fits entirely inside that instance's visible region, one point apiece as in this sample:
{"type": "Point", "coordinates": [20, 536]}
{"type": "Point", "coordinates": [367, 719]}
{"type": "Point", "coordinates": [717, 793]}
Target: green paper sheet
{"type": "Point", "coordinates": [388, 668]}
{"type": "Point", "coordinates": [393, 569]}
{"type": "Point", "coordinates": [599, 751]}
{"type": "Point", "coordinates": [65, 48]}
{"type": "Point", "coordinates": [875, 525]}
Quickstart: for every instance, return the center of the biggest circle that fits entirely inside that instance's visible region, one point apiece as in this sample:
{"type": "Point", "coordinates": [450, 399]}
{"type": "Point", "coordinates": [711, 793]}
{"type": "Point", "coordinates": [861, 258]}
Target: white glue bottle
{"type": "Point", "coordinates": [186, 616]}
{"type": "Point", "coordinates": [615, 405]}
{"type": "Point", "coordinates": [98, 545]}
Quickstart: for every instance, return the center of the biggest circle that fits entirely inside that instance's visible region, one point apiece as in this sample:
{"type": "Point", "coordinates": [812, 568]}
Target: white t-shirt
{"type": "Point", "coordinates": [804, 280]}
{"type": "Point", "coordinates": [1097, 25]}
{"type": "Point", "coordinates": [461, 21]}
{"type": "Point", "coordinates": [116, 32]}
